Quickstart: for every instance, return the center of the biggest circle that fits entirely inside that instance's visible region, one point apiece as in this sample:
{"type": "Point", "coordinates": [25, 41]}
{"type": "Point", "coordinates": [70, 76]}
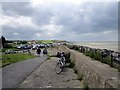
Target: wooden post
{"type": "Point", "coordinates": [111, 60]}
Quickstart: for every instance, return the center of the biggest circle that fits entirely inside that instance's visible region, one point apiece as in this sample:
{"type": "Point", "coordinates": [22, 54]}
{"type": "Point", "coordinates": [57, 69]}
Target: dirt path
{"type": "Point", "coordinates": [46, 77]}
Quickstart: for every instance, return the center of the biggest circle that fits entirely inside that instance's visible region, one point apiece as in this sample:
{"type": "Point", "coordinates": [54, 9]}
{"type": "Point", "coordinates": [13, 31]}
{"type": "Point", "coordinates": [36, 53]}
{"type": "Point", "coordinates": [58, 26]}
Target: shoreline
{"type": "Point", "coordinates": [104, 45]}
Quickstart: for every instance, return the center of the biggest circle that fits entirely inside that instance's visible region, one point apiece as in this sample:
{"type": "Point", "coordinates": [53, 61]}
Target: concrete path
{"type": "Point", "coordinates": [14, 74]}
{"type": "Point", "coordinates": [46, 77]}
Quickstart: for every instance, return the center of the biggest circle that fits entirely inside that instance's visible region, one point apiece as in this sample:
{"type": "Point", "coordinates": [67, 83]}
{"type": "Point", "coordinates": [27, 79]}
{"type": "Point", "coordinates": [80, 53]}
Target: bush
{"type": "Point", "coordinates": [53, 56]}
{"type": "Point", "coordinates": [91, 54]}
{"type": "Point", "coordinates": [98, 56]}
{"type": "Point", "coordinates": [107, 60]}
{"type": "Point", "coordinates": [75, 70]}
{"type": "Point", "coordinates": [87, 53]}
{"type": "Point", "coordinates": [80, 77]}
{"type": "Point", "coordinates": [86, 87]}
{"type": "Point", "coordinates": [71, 64]}
{"type": "Point", "coordinates": [76, 48]}
{"type": "Point", "coordinates": [67, 57]}
{"type": "Point", "coordinates": [118, 69]}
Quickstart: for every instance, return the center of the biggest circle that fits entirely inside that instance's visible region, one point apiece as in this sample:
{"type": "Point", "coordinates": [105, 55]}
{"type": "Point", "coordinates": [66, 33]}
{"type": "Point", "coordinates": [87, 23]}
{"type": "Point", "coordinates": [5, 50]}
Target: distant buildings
{"type": "Point", "coordinates": [33, 42]}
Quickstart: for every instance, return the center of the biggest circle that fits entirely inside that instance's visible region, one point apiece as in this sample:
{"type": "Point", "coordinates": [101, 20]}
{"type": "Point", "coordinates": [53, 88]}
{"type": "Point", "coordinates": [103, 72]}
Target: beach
{"type": "Point", "coordinates": [101, 45]}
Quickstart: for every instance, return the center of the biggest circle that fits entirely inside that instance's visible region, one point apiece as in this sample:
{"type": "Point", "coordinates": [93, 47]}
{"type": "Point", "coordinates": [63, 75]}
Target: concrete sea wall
{"type": "Point", "coordinates": [95, 73]}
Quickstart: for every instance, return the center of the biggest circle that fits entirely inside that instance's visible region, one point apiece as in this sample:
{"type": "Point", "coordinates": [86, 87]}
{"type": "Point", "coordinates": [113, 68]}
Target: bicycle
{"type": "Point", "coordinates": [60, 65]}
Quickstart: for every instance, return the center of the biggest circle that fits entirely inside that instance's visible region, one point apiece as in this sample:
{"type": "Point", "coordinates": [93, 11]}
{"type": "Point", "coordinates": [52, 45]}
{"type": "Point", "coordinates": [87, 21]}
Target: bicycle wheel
{"type": "Point", "coordinates": [58, 68]}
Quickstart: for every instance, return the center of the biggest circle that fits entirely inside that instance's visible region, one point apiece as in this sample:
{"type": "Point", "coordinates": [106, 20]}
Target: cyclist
{"type": "Point", "coordinates": [63, 58]}
{"type": "Point", "coordinates": [58, 54]}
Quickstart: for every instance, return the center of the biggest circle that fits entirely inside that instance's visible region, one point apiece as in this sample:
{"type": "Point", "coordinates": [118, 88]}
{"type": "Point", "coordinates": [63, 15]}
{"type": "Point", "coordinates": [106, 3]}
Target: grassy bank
{"type": "Point", "coordinates": [12, 58]}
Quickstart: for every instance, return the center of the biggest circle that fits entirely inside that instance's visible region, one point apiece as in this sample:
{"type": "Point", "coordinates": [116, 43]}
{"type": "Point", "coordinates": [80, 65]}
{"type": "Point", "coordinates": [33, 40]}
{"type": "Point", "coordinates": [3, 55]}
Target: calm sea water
{"type": "Point", "coordinates": [111, 45]}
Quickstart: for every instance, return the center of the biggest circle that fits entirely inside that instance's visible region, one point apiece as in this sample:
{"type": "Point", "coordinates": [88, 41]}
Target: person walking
{"type": "Point", "coordinates": [45, 51]}
{"type": "Point", "coordinates": [38, 51]}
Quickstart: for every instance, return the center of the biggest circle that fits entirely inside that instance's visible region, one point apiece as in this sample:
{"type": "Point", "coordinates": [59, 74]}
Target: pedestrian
{"type": "Point", "coordinates": [45, 51]}
{"type": "Point", "coordinates": [38, 51]}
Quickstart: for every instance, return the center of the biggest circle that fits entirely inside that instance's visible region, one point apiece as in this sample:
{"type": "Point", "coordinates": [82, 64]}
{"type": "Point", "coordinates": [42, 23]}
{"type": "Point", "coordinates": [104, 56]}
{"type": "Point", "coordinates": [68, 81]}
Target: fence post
{"type": "Point", "coordinates": [111, 60]}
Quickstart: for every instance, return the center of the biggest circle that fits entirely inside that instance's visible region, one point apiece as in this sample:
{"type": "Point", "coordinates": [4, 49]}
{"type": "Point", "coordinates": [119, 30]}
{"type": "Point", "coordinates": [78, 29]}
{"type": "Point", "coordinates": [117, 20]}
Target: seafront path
{"type": "Point", "coordinates": [38, 73]}
{"type": "Point", "coordinates": [46, 77]}
{"type": "Point", "coordinates": [14, 74]}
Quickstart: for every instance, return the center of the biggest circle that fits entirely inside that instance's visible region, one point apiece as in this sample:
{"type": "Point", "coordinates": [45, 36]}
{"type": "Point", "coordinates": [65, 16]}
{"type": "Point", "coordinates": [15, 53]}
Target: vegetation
{"type": "Point", "coordinates": [75, 70]}
{"type": "Point", "coordinates": [4, 49]}
{"type": "Point", "coordinates": [67, 57]}
{"type": "Point", "coordinates": [80, 77]}
{"type": "Point", "coordinates": [86, 87]}
{"type": "Point", "coordinates": [45, 41]}
{"type": "Point", "coordinates": [96, 55]}
{"type": "Point", "coordinates": [71, 64]}
{"type": "Point", "coordinates": [53, 56]}
{"type": "Point", "coordinates": [0, 63]}
{"type": "Point", "coordinates": [48, 57]}
{"type": "Point", "coordinates": [118, 69]}
{"type": "Point", "coordinates": [12, 58]}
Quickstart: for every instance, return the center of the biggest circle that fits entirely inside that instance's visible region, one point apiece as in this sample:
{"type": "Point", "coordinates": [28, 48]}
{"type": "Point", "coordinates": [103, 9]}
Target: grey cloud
{"type": "Point", "coordinates": [24, 33]}
{"type": "Point", "coordinates": [17, 8]}
{"type": "Point", "coordinates": [80, 19]}
{"type": "Point", "coordinates": [100, 17]}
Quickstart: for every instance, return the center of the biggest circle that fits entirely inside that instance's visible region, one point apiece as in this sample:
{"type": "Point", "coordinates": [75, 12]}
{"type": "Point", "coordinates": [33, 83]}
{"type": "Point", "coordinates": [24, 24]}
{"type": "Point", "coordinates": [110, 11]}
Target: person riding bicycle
{"type": "Point", "coordinates": [61, 63]}
{"type": "Point", "coordinates": [63, 58]}
{"type": "Point", "coordinates": [58, 55]}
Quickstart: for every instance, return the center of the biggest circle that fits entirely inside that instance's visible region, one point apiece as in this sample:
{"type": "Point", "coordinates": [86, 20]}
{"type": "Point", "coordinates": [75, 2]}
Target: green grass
{"type": "Point", "coordinates": [12, 58]}
{"type": "Point", "coordinates": [46, 41]}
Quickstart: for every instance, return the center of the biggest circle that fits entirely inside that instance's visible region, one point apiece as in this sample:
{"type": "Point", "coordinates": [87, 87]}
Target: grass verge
{"type": "Point", "coordinates": [12, 58]}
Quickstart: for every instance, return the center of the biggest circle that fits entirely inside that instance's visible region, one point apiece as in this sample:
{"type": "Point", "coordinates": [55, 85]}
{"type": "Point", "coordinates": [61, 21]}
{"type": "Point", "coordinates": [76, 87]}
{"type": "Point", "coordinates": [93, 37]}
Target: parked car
{"type": "Point", "coordinates": [34, 46]}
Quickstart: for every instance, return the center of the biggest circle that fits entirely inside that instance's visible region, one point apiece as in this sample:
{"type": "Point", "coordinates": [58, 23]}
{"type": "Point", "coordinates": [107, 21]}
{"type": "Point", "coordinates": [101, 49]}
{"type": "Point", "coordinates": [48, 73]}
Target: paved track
{"type": "Point", "coordinates": [14, 74]}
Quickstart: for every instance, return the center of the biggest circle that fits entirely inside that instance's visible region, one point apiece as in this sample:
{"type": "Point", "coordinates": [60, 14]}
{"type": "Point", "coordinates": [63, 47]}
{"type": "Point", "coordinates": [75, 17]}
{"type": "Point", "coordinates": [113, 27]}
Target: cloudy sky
{"type": "Point", "coordinates": [60, 20]}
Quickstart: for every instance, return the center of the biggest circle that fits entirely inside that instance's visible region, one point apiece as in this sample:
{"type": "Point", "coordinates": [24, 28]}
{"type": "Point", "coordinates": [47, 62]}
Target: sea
{"type": "Point", "coordinates": [110, 45]}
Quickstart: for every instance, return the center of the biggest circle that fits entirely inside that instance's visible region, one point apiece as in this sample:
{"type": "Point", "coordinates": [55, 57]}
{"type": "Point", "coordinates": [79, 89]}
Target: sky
{"type": "Point", "coordinates": [71, 20]}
